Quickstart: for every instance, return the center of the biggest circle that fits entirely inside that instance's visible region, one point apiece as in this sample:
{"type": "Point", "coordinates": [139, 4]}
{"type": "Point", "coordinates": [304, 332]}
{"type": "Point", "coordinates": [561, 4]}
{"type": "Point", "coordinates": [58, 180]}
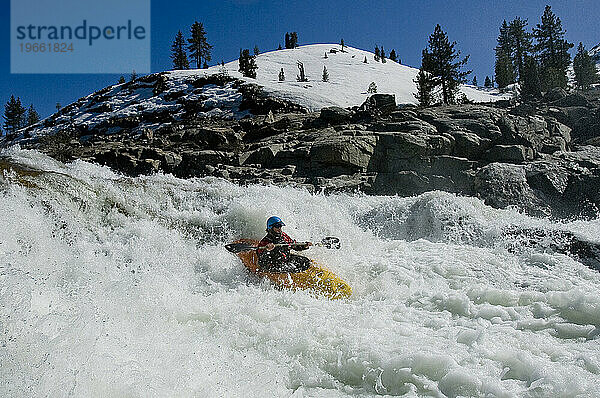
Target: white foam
{"type": "Point", "coordinates": [120, 286]}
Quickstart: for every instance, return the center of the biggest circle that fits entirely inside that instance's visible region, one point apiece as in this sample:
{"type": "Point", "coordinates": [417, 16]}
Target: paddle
{"type": "Point", "coordinates": [329, 242]}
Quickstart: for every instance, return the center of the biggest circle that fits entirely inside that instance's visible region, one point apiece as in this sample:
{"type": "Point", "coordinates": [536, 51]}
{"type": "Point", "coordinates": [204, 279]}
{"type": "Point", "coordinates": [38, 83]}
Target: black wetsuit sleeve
{"type": "Point", "coordinates": [299, 247]}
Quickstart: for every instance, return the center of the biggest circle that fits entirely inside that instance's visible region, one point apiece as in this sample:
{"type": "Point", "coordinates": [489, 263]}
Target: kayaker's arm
{"type": "Point", "coordinates": [301, 246]}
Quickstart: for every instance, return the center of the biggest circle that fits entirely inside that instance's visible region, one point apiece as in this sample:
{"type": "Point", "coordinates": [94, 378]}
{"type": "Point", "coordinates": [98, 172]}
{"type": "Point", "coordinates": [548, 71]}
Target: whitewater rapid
{"type": "Point", "coordinates": [112, 286]}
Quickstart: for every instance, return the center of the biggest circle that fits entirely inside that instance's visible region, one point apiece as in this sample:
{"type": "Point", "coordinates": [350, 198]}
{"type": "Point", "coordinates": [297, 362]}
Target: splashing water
{"type": "Point", "coordinates": [118, 286]}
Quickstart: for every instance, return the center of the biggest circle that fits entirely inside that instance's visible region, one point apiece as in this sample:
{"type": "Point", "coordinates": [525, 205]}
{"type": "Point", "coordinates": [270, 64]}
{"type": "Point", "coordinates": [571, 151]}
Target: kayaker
{"type": "Point", "coordinates": [278, 258]}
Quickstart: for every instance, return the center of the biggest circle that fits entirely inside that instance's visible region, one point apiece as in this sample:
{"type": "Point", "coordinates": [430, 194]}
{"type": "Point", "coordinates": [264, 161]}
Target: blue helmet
{"type": "Point", "coordinates": [274, 221]}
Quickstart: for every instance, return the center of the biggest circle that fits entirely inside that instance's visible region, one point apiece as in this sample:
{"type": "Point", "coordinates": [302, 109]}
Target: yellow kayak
{"type": "Point", "coordinates": [316, 278]}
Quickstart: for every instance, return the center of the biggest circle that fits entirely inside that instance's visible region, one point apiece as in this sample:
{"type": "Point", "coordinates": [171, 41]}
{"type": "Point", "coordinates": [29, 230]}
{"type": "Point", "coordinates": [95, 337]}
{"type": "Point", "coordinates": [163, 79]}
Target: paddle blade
{"type": "Point", "coordinates": [331, 242]}
{"type": "Point", "coordinates": [239, 247]}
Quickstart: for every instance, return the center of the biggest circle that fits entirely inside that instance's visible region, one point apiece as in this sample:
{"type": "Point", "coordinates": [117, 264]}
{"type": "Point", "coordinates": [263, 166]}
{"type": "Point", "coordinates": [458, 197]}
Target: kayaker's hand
{"type": "Point", "coordinates": [270, 246]}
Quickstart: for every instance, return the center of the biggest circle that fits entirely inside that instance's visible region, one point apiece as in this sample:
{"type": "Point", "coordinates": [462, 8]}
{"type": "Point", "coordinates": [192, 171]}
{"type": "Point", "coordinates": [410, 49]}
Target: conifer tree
{"type": "Point", "coordinates": [32, 116]}
{"type": "Point", "coordinates": [342, 43]}
{"type": "Point", "coordinates": [14, 115]}
{"type": "Point", "coordinates": [198, 46]}
{"type": "Point", "coordinates": [287, 40]}
{"type": "Point", "coordinates": [425, 88]}
{"type": "Point", "coordinates": [281, 75]}
{"type": "Point", "coordinates": [382, 55]}
{"type": "Point", "coordinates": [503, 66]}
{"type": "Point", "coordinates": [121, 79]}
{"type": "Point", "coordinates": [393, 56]}
{"type": "Point", "coordinates": [372, 89]}
{"type": "Point", "coordinates": [488, 82]}
{"type": "Point", "coordinates": [365, 60]}
{"type": "Point", "coordinates": [552, 50]}
{"type": "Point", "coordinates": [247, 64]}
{"type": "Point", "coordinates": [521, 46]}
{"type": "Point", "coordinates": [531, 88]}
{"type": "Point", "coordinates": [325, 55]}
{"type": "Point", "coordinates": [256, 50]}
{"type": "Point", "coordinates": [325, 74]}
{"type": "Point", "coordinates": [279, 48]}
{"type": "Point", "coordinates": [474, 82]}
{"type": "Point", "coordinates": [301, 77]}
{"type": "Point", "coordinates": [178, 54]}
{"type": "Point", "coordinates": [377, 54]}
{"type": "Point", "coordinates": [585, 70]}
{"type": "Point", "coordinates": [293, 39]}
{"type": "Point", "coordinates": [133, 76]}
{"type": "Point", "coordinates": [58, 106]}
{"type": "Point", "coordinates": [441, 61]}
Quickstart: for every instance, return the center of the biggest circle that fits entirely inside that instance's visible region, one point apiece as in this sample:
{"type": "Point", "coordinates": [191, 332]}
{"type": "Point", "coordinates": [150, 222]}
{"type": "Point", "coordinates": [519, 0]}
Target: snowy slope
{"type": "Point", "coordinates": [349, 77]}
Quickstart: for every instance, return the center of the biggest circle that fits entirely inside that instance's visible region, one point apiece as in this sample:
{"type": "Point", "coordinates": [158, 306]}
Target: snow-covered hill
{"type": "Point", "coordinates": [595, 54]}
{"type": "Point", "coordinates": [349, 77]}
{"type": "Point", "coordinates": [186, 94]}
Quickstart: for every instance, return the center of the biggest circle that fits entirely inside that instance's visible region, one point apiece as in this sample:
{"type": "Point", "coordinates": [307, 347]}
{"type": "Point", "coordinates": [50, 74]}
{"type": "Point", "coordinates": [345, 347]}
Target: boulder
{"type": "Point", "coordinates": [508, 153]}
{"type": "Point", "coordinates": [404, 183]}
{"type": "Point", "coordinates": [352, 154]}
{"type": "Point", "coordinates": [379, 104]}
{"type": "Point", "coordinates": [263, 156]}
{"type": "Point", "coordinates": [335, 115]}
{"type": "Point", "coordinates": [469, 145]}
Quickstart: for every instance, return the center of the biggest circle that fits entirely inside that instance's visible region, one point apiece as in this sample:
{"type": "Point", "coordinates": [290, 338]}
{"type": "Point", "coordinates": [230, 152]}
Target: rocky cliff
{"type": "Point", "coordinates": [542, 158]}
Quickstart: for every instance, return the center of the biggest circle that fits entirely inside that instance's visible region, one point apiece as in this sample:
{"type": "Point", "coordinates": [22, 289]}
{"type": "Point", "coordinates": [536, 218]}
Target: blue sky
{"type": "Point", "coordinates": [231, 24]}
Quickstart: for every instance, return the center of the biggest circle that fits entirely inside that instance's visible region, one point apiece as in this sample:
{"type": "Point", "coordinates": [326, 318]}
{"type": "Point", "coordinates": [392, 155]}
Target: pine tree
{"type": "Point", "coordinates": [248, 65]}
{"type": "Point", "coordinates": [178, 54]}
{"type": "Point", "coordinates": [58, 106]}
{"type": "Point", "coordinates": [287, 40]}
{"type": "Point", "coordinates": [531, 87]}
{"type": "Point", "coordinates": [585, 70]}
{"type": "Point", "coordinates": [382, 55]}
{"type": "Point", "coordinates": [342, 43]}
{"type": "Point", "coordinates": [325, 74]}
{"type": "Point", "coordinates": [521, 46]}
{"type": "Point", "coordinates": [301, 77]}
{"type": "Point", "coordinates": [377, 56]}
{"type": "Point", "coordinates": [198, 46]}
{"type": "Point", "coordinates": [14, 115]}
{"type": "Point", "coordinates": [425, 86]}
{"type": "Point", "coordinates": [372, 89]}
{"type": "Point", "coordinates": [32, 116]}
{"type": "Point", "coordinates": [122, 80]}
{"type": "Point", "coordinates": [279, 48]}
{"type": "Point", "coordinates": [325, 55]}
{"type": "Point", "coordinates": [488, 82]}
{"type": "Point", "coordinates": [365, 60]}
{"type": "Point", "coordinates": [440, 61]}
{"type": "Point", "coordinates": [293, 39]}
{"type": "Point", "coordinates": [281, 75]}
{"type": "Point", "coordinates": [256, 50]}
{"type": "Point", "coordinates": [552, 50]}
{"type": "Point", "coordinates": [133, 76]}
{"type": "Point", "coordinates": [204, 65]}
{"type": "Point", "coordinates": [393, 56]}
{"type": "Point", "coordinates": [474, 82]}
{"type": "Point", "coordinates": [503, 66]}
